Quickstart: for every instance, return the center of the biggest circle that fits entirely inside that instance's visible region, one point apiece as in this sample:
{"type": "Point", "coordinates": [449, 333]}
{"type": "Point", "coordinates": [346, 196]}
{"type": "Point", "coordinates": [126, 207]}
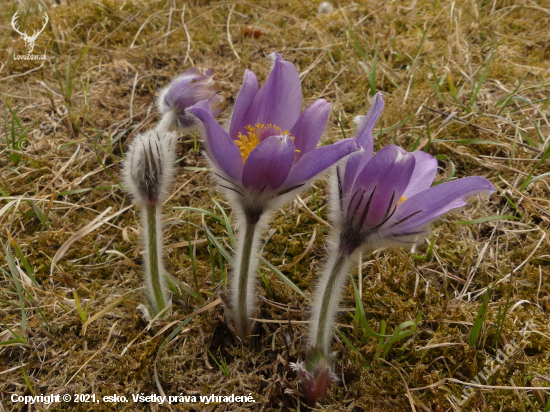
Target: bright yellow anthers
{"type": "Point", "coordinates": [401, 200]}
{"type": "Point", "coordinates": [255, 135]}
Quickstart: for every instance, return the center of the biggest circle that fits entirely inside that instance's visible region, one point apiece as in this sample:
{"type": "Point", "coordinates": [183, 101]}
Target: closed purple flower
{"type": "Point", "coordinates": [270, 148]}
{"type": "Point", "coordinates": [195, 85]}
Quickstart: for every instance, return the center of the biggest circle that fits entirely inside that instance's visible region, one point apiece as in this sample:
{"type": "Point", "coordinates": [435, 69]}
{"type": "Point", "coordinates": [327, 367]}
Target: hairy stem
{"type": "Point", "coordinates": [153, 264]}
{"type": "Point", "coordinates": [245, 281]}
{"type": "Point", "coordinates": [327, 297]}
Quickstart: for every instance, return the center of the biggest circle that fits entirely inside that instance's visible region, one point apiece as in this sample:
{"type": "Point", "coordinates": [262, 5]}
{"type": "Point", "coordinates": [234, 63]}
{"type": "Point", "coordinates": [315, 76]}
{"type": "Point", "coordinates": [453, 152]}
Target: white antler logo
{"type": "Point", "coordinates": [29, 40]}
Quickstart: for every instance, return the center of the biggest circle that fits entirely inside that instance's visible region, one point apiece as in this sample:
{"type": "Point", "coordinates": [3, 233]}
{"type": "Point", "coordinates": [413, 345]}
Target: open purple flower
{"type": "Point", "coordinates": [267, 155]}
{"type": "Point", "coordinates": [381, 200]}
{"type": "Point", "coordinates": [387, 199]}
{"type": "Point", "coordinates": [270, 148]}
{"type": "Point", "coordinates": [195, 85]}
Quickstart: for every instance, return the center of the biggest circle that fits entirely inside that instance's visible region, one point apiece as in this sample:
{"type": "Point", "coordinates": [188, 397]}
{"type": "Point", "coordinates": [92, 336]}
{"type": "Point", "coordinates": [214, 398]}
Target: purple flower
{"type": "Point", "coordinates": [193, 86]}
{"type": "Point", "coordinates": [267, 154]}
{"type": "Point", "coordinates": [382, 200]}
{"type": "Point", "coordinates": [386, 199]}
{"type": "Point", "coordinates": [270, 148]}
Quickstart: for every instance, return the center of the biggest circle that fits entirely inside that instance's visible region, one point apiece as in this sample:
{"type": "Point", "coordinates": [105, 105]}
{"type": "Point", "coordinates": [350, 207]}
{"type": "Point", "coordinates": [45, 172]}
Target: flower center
{"type": "Point", "coordinates": [255, 135]}
{"type": "Point", "coordinates": [401, 200]}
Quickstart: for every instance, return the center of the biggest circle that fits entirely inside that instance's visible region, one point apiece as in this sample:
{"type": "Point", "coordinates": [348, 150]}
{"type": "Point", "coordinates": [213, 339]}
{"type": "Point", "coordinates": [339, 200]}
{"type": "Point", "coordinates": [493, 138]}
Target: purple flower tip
{"type": "Point", "coordinates": [193, 86]}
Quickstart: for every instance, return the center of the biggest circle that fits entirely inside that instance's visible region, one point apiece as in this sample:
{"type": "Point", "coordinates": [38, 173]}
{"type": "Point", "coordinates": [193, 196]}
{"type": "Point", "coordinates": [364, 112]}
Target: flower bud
{"type": "Point", "coordinates": [191, 87]}
{"type": "Point", "coordinates": [149, 167]}
{"type": "Point", "coordinates": [316, 374]}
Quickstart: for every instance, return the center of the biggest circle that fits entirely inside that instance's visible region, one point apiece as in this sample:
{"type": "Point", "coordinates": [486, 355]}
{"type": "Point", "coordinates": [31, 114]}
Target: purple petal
{"type": "Point", "coordinates": [279, 101]}
{"type": "Point", "coordinates": [365, 139]}
{"type": "Point", "coordinates": [268, 165]}
{"type": "Point", "coordinates": [351, 167]}
{"type": "Point", "coordinates": [195, 73]}
{"type": "Point", "coordinates": [319, 160]}
{"type": "Point", "coordinates": [309, 127]}
{"type": "Point", "coordinates": [186, 96]}
{"type": "Point", "coordinates": [387, 174]}
{"type": "Point", "coordinates": [221, 149]}
{"type": "Point", "coordinates": [249, 89]}
{"type": "Point", "coordinates": [424, 173]}
{"type": "Point", "coordinates": [432, 203]}
{"type": "Point", "coordinates": [366, 123]}
{"type": "Point", "coordinates": [180, 84]}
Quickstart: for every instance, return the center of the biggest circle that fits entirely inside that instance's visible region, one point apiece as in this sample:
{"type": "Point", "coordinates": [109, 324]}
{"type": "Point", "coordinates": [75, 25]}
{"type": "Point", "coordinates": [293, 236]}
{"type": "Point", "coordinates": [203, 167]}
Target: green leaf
{"type": "Point", "coordinates": [353, 348]}
{"type": "Point", "coordinates": [541, 161]}
{"type": "Point", "coordinates": [480, 318]}
{"type": "Point", "coordinates": [15, 276]}
{"type": "Point", "coordinates": [226, 223]}
{"type": "Point", "coordinates": [200, 211]}
{"type": "Point", "coordinates": [360, 313]}
{"type": "Point", "coordinates": [475, 92]}
{"type": "Point", "coordinates": [282, 277]}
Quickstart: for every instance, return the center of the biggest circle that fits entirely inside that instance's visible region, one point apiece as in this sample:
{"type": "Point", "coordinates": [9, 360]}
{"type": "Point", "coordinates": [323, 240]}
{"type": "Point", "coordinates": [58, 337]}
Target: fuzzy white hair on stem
{"type": "Point", "coordinates": [243, 279]}
{"type": "Point", "coordinates": [326, 300]}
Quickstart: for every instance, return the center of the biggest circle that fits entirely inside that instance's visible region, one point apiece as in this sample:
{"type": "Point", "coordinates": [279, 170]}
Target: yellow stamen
{"type": "Point", "coordinates": [401, 200]}
{"type": "Point", "coordinates": [254, 137]}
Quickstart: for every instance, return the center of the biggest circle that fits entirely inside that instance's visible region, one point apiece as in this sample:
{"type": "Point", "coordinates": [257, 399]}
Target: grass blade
{"type": "Point", "coordinates": [353, 348]}
{"type": "Point", "coordinates": [193, 266]}
{"type": "Point", "coordinates": [470, 141]}
{"type": "Point", "coordinates": [110, 306]}
{"type": "Point", "coordinates": [487, 219]}
{"type": "Point", "coordinates": [226, 223]}
{"type": "Point", "coordinates": [480, 318]}
{"type": "Point", "coordinates": [475, 92]}
{"type": "Point", "coordinates": [15, 277]}
{"type": "Point", "coordinates": [283, 277]}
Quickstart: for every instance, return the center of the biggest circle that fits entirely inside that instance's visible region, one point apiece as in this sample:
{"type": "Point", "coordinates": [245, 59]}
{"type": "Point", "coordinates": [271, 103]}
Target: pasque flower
{"type": "Point", "coordinates": [195, 85]}
{"type": "Point", "coordinates": [267, 154]}
{"type": "Point", "coordinates": [378, 201]}
{"type": "Point", "coordinates": [148, 172]}
{"type": "Point", "coordinates": [149, 166]}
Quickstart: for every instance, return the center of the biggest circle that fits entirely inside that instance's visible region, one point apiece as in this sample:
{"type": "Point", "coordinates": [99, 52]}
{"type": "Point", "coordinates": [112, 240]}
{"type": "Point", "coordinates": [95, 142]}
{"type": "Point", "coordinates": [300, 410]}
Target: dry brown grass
{"type": "Point", "coordinates": [55, 186]}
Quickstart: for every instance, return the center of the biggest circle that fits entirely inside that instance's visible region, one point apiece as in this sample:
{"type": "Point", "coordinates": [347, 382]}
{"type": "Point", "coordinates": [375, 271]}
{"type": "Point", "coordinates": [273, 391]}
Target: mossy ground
{"type": "Point", "coordinates": [433, 59]}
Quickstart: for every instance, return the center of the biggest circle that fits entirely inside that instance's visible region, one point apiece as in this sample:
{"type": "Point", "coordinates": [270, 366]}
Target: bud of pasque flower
{"type": "Point", "coordinates": [316, 374]}
{"type": "Point", "coordinates": [148, 172]}
{"type": "Point", "coordinates": [191, 87]}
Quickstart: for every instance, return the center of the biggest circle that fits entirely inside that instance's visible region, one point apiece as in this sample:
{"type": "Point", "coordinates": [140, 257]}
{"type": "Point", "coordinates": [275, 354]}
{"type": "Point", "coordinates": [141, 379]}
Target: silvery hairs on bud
{"type": "Point", "coordinates": [148, 172]}
{"type": "Point", "coordinates": [149, 167]}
